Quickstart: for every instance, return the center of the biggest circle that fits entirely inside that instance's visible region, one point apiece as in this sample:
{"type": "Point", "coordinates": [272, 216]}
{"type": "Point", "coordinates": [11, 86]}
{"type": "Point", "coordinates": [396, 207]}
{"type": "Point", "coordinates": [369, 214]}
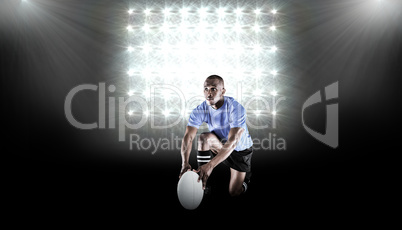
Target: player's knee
{"type": "Point", "coordinates": [203, 141]}
{"type": "Point", "coordinates": [204, 136]}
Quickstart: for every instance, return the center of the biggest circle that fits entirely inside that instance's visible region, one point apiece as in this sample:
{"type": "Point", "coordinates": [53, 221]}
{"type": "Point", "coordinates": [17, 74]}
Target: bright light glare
{"type": "Point", "coordinates": [257, 73]}
{"type": "Point", "coordinates": [256, 28]}
{"type": "Point", "coordinates": [221, 12]}
{"type": "Point", "coordinates": [146, 28]}
{"type": "Point", "coordinates": [184, 11]}
{"type": "Point", "coordinates": [147, 72]}
{"type": "Point", "coordinates": [238, 47]}
{"type": "Point", "coordinates": [257, 48]}
{"type": "Point", "coordinates": [203, 12]}
{"type": "Point", "coordinates": [181, 44]}
{"type": "Point", "coordinates": [166, 113]}
{"type": "Point", "coordinates": [166, 11]}
{"type": "Point", "coordinates": [146, 48]}
{"type": "Point", "coordinates": [130, 72]}
{"type": "Point", "coordinates": [257, 92]}
{"type": "Point", "coordinates": [165, 27]}
{"type": "Point", "coordinates": [237, 27]}
{"type": "Point", "coordinates": [220, 27]}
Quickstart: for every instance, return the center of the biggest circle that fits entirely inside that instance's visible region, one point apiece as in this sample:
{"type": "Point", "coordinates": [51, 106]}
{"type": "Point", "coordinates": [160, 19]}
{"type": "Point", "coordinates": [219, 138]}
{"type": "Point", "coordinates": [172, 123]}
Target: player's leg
{"type": "Point", "coordinates": [207, 142]}
{"type": "Point", "coordinates": [236, 187]}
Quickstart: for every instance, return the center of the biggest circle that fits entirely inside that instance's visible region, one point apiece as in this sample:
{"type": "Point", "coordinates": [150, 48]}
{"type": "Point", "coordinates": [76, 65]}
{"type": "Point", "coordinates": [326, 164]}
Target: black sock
{"type": "Point", "coordinates": [203, 157]}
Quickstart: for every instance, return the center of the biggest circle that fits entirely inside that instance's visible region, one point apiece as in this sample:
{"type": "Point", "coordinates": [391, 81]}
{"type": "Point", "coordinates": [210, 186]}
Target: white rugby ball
{"type": "Point", "coordinates": [190, 191]}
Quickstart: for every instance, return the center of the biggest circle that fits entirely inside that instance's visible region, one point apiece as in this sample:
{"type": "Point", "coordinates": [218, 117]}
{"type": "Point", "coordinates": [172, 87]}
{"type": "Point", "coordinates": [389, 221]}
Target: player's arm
{"type": "Point", "coordinates": [228, 147]}
{"type": "Point", "coordinates": [186, 145]}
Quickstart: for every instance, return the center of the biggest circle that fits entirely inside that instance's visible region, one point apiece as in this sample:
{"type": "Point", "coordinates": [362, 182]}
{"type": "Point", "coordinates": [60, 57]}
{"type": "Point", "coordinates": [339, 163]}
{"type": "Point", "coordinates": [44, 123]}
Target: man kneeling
{"type": "Point", "coordinates": [228, 141]}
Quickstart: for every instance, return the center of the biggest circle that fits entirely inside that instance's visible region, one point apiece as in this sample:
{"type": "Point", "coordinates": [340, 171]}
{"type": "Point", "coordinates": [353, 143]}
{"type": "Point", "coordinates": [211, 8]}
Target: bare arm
{"type": "Point", "coordinates": [186, 145]}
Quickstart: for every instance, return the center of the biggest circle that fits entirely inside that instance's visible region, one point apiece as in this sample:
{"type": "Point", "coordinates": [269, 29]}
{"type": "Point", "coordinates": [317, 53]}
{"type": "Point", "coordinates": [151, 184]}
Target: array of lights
{"type": "Point", "coordinates": [172, 49]}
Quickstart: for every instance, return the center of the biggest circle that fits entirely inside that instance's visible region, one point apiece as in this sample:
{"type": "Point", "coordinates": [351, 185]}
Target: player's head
{"type": "Point", "coordinates": [214, 89]}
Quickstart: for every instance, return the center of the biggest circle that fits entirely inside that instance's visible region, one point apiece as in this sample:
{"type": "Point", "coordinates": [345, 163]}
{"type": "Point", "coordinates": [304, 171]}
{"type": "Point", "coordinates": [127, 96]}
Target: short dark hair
{"type": "Point", "coordinates": [219, 78]}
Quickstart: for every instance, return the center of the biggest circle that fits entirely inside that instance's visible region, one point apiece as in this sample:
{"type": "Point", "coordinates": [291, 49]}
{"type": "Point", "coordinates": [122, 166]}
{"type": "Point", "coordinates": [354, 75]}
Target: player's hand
{"type": "Point", "coordinates": [184, 168]}
{"type": "Point", "coordinates": [204, 173]}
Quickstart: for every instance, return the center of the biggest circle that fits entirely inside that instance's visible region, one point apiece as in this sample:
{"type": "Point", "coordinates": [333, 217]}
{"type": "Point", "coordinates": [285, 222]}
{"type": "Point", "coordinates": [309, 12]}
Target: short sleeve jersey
{"type": "Point", "coordinates": [230, 115]}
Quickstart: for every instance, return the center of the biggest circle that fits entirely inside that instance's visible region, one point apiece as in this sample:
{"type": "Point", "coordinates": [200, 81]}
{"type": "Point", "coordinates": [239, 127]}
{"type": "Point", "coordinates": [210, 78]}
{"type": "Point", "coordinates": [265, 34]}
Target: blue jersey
{"type": "Point", "coordinates": [230, 115]}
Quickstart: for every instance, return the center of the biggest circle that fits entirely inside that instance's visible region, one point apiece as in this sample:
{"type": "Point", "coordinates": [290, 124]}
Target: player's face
{"type": "Point", "coordinates": [213, 91]}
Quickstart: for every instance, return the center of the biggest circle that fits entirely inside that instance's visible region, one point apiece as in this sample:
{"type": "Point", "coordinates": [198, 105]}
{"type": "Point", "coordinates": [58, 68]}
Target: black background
{"type": "Point", "coordinates": [57, 167]}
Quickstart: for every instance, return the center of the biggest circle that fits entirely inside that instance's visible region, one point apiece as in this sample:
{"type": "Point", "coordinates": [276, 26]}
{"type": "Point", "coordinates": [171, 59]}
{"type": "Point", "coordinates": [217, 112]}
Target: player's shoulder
{"type": "Point", "coordinates": [234, 105]}
{"type": "Point", "coordinates": [202, 106]}
{"type": "Point", "coordinates": [231, 101]}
